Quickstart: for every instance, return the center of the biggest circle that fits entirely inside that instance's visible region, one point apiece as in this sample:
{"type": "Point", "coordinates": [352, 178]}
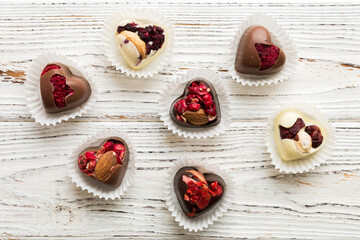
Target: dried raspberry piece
{"type": "Point", "coordinates": [268, 55]}
{"type": "Point", "coordinates": [211, 111]}
{"type": "Point", "coordinates": [82, 162]}
{"type": "Point", "coordinates": [291, 133]}
{"type": "Point", "coordinates": [181, 106]}
{"type": "Point", "coordinates": [315, 134]}
{"type": "Point", "coordinates": [49, 68]}
{"type": "Point", "coordinates": [194, 107]}
{"type": "Point", "coordinates": [207, 97]}
{"type": "Point", "coordinates": [61, 90]}
{"type": "Point", "coordinates": [194, 88]}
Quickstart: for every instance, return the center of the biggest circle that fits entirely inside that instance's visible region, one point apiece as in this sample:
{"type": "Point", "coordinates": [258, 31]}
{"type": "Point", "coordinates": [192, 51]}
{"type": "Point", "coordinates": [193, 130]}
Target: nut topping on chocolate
{"type": "Point", "coordinates": [197, 192]}
{"type": "Point", "coordinates": [296, 136]}
{"type": "Point", "coordinates": [198, 106]}
{"type": "Point", "coordinates": [139, 45]}
{"type": "Point", "coordinates": [107, 163]}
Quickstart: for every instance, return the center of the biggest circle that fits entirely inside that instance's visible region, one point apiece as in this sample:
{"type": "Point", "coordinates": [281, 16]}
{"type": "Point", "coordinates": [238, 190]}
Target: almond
{"type": "Point", "coordinates": [136, 40]}
{"type": "Point", "coordinates": [196, 118]}
{"type": "Point", "coordinates": [105, 166]}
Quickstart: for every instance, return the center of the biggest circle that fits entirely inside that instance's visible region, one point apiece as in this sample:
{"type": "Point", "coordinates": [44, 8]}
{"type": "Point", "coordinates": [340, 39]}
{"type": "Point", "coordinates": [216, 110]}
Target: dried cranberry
{"type": "Point", "coordinates": [315, 134]}
{"type": "Point", "coordinates": [120, 29]}
{"type": "Point", "coordinates": [268, 55]}
{"type": "Point", "coordinates": [291, 132]}
{"type": "Point", "coordinates": [61, 90]}
{"type": "Point", "coordinates": [143, 34]}
{"type": "Point", "coordinates": [131, 27]}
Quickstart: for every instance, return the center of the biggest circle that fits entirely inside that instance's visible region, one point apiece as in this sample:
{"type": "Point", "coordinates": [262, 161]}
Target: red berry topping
{"type": "Point", "coordinates": [291, 133]}
{"type": "Point", "coordinates": [198, 191]}
{"type": "Point", "coordinates": [268, 55]}
{"type": "Point", "coordinates": [198, 97]}
{"type": "Point", "coordinates": [152, 35]}
{"type": "Point", "coordinates": [50, 67]}
{"type": "Point", "coordinates": [61, 90]}
{"type": "Point", "coordinates": [315, 134]}
{"type": "Point", "coordinates": [88, 160]}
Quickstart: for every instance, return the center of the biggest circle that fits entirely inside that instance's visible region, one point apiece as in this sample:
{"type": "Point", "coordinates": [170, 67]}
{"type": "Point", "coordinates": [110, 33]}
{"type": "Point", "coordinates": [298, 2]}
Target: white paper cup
{"type": "Point", "coordinates": [279, 37]}
{"type": "Point", "coordinates": [312, 161]}
{"type": "Point", "coordinates": [175, 89]}
{"type": "Point", "coordinates": [91, 185]}
{"type": "Point", "coordinates": [208, 218]}
{"type": "Point", "coordinates": [33, 93]}
{"type": "Point", "coordinates": [108, 34]}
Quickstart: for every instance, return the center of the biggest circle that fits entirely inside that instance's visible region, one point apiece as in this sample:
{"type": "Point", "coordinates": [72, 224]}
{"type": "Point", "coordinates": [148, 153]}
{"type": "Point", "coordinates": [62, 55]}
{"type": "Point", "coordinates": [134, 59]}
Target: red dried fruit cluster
{"type": "Point", "coordinates": [61, 90]}
{"type": "Point", "coordinates": [199, 96]}
{"type": "Point", "coordinates": [88, 160]}
{"type": "Point", "coordinates": [200, 193]}
{"type": "Point", "coordinates": [49, 68]}
{"type": "Point", "coordinates": [291, 133]}
{"type": "Point", "coordinates": [152, 35]}
{"type": "Point", "coordinates": [268, 54]}
{"type": "Point", "coordinates": [315, 134]}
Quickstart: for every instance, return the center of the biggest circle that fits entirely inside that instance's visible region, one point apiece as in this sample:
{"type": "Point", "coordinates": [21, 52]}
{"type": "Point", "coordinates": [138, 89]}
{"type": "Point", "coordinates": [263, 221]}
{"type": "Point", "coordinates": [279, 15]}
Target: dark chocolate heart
{"type": "Point", "coordinates": [197, 107]}
{"type": "Point", "coordinates": [107, 162]}
{"type": "Point", "coordinates": [61, 90]}
{"type": "Point", "coordinates": [256, 54]}
{"type": "Point", "coordinates": [197, 193]}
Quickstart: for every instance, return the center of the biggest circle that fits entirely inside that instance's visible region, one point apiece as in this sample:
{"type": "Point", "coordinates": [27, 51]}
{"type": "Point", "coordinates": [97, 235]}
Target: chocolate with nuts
{"type": "Point", "coordinates": [256, 54]}
{"type": "Point", "coordinates": [197, 107]}
{"type": "Point", "coordinates": [296, 136]}
{"type": "Point", "coordinates": [197, 193]}
{"type": "Point", "coordinates": [138, 43]}
{"type": "Point", "coordinates": [107, 162]}
{"type": "Point", "coordinates": [61, 90]}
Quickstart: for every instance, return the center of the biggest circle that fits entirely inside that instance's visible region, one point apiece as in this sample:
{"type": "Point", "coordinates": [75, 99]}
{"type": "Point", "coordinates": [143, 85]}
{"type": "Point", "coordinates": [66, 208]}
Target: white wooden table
{"type": "Point", "coordinates": [37, 200]}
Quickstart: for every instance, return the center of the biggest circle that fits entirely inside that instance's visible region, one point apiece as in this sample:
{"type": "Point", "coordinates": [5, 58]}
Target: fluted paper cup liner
{"type": "Point", "coordinates": [108, 34]}
{"type": "Point", "coordinates": [279, 37]}
{"type": "Point", "coordinates": [175, 89]}
{"type": "Point", "coordinates": [91, 185]}
{"type": "Point", "coordinates": [207, 218]}
{"type": "Point", "coordinates": [313, 160]}
{"type": "Point", "coordinates": [33, 93]}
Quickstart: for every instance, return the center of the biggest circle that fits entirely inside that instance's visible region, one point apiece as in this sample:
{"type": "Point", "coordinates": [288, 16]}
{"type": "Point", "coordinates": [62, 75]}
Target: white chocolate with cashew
{"type": "Point", "coordinates": [290, 149]}
{"type": "Point", "coordinates": [129, 49]}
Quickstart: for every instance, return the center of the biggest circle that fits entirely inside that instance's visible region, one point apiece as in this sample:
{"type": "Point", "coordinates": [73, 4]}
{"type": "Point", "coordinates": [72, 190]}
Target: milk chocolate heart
{"type": "Point", "coordinates": [61, 90]}
{"type": "Point", "coordinates": [140, 43]}
{"type": "Point", "coordinates": [107, 162]}
{"type": "Point", "coordinates": [256, 54]}
{"type": "Point", "coordinates": [197, 192]}
{"type": "Point", "coordinates": [296, 136]}
{"type": "Point", "coordinates": [197, 107]}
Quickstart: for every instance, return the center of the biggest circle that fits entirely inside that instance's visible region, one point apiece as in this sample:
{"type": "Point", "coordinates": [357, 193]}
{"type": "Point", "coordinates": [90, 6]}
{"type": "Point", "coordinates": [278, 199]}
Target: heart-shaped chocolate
{"type": "Point", "coordinates": [296, 136]}
{"type": "Point", "coordinates": [61, 90]}
{"type": "Point", "coordinates": [140, 43]}
{"type": "Point", "coordinates": [256, 54]}
{"type": "Point", "coordinates": [107, 162]}
{"type": "Point", "coordinates": [197, 193]}
{"type": "Point", "coordinates": [198, 106]}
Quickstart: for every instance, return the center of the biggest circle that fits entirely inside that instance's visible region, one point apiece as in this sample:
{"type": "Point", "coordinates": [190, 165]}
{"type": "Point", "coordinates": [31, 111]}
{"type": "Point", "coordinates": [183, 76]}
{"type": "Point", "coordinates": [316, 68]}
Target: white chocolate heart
{"type": "Point", "coordinates": [129, 46]}
{"type": "Point", "coordinates": [289, 149]}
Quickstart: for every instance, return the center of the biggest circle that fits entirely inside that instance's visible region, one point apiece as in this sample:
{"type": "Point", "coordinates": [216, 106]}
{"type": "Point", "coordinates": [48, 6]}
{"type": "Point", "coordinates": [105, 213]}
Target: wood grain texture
{"type": "Point", "coordinates": [37, 200]}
